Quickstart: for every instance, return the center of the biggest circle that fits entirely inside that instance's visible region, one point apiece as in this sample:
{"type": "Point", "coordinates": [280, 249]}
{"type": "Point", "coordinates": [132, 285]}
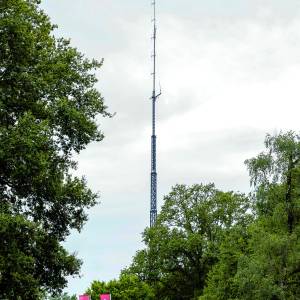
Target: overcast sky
{"type": "Point", "coordinates": [229, 72]}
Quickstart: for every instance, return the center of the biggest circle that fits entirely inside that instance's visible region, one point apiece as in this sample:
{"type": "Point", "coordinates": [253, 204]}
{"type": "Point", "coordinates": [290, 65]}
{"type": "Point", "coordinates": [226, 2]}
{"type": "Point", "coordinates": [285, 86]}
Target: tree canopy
{"type": "Point", "coordinates": [127, 287]}
{"type": "Point", "coordinates": [213, 245]}
{"type": "Point", "coordinates": [48, 109]}
{"type": "Point", "coordinates": [183, 245]}
{"type": "Point", "coordinates": [266, 265]}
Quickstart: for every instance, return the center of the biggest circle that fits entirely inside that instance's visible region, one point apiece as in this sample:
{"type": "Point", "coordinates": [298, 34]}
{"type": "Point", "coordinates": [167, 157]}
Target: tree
{"type": "Point", "coordinates": [273, 259]}
{"type": "Point", "coordinates": [127, 287]}
{"type": "Point", "coordinates": [276, 176]}
{"type": "Point", "coordinates": [265, 263]}
{"type": "Point", "coordinates": [63, 296]}
{"type": "Point", "coordinates": [48, 106]}
{"type": "Point", "coordinates": [220, 283]}
{"type": "Point", "coordinates": [183, 245]}
{"type": "Point", "coordinates": [24, 265]}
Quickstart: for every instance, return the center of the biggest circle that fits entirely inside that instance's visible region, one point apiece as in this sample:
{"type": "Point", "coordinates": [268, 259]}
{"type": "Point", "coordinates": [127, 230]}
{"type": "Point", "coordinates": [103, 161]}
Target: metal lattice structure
{"type": "Point", "coordinates": [153, 189]}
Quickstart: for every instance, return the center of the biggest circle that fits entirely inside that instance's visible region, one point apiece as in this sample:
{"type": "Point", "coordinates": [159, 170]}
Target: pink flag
{"type": "Point", "coordinates": [105, 297]}
{"type": "Point", "coordinates": [84, 297]}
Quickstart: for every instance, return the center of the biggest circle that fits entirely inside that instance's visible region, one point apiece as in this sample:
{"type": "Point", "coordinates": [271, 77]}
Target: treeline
{"type": "Point", "coordinates": [213, 245]}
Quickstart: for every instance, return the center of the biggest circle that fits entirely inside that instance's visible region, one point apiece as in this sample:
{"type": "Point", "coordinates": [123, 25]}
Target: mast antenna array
{"type": "Point", "coordinates": [154, 97]}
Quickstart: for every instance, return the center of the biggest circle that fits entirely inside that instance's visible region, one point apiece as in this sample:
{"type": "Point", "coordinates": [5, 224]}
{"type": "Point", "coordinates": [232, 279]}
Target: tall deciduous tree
{"type": "Point", "coordinates": [48, 106]}
{"type": "Point", "coordinates": [183, 245]}
{"type": "Point", "coordinates": [270, 269]}
{"type": "Point", "coordinates": [265, 262]}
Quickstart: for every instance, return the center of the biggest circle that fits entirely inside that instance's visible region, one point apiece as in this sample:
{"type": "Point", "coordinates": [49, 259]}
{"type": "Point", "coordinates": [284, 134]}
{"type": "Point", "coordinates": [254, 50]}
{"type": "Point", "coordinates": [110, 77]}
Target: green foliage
{"type": "Point", "coordinates": [63, 296]}
{"type": "Point", "coordinates": [48, 106]}
{"type": "Point", "coordinates": [219, 282]}
{"type": "Point", "coordinates": [127, 287]}
{"type": "Point", "coordinates": [267, 263]}
{"type": "Point", "coordinates": [183, 245]}
{"type": "Point", "coordinates": [23, 261]}
{"type": "Point", "coordinates": [278, 169]}
{"type": "Point", "coordinates": [271, 269]}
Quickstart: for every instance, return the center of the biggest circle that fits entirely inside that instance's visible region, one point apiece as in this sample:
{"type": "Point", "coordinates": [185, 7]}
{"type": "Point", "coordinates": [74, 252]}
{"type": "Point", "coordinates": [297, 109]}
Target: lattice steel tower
{"type": "Point", "coordinates": [154, 97]}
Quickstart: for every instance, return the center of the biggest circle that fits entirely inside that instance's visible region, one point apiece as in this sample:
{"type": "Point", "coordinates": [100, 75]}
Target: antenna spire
{"type": "Point", "coordinates": [153, 190]}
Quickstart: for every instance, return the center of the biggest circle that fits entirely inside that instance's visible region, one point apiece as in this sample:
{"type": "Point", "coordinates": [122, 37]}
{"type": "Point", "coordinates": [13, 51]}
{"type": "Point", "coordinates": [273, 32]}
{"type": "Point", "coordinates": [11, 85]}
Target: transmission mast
{"type": "Point", "coordinates": [154, 97]}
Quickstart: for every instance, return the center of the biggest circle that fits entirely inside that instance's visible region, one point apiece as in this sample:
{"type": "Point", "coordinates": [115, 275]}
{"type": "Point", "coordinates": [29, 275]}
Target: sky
{"type": "Point", "coordinates": [229, 72]}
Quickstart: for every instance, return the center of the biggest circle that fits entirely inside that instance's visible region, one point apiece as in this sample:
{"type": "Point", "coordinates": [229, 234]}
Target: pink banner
{"type": "Point", "coordinates": [105, 297]}
{"type": "Point", "coordinates": [84, 297]}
